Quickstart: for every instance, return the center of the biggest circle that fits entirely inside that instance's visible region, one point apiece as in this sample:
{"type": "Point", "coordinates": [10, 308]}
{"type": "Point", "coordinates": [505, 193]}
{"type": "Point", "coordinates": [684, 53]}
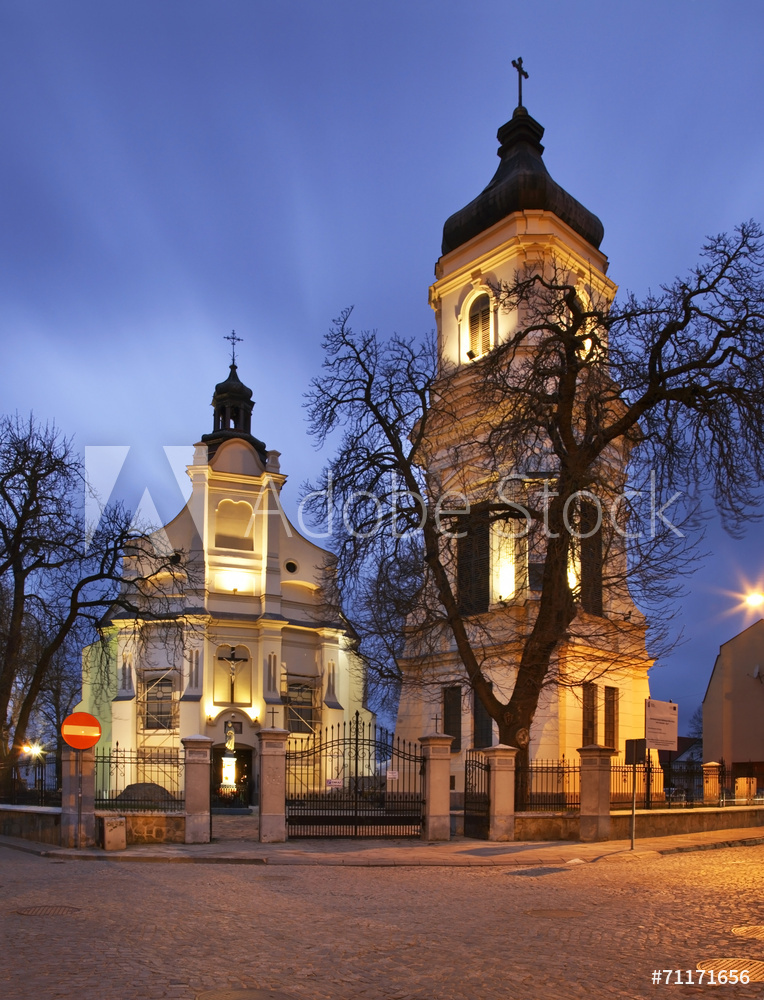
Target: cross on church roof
{"type": "Point", "coordinates": [518, 64]}
{"type": "Point", "coordinates": [238, 340]}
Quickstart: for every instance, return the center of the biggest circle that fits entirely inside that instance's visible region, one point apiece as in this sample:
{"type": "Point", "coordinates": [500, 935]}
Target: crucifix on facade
{"type": "Point", "coordinates": [518, 65]}
{"type": "Point", "coordinates": [232, 660]}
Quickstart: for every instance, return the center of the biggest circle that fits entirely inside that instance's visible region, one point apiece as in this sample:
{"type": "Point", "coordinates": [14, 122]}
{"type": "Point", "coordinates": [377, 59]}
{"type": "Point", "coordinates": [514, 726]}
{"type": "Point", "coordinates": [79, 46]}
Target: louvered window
{"type": "Point", "coordinates": [480, 326]}
{"type": "Point", "coordinates": [452, 715]}
{"type": "Point", "coordinates": [591, 559]}
{"type": "Point", "coordinates": [482, 723]}
{"type": "Point", "coordinates": [611, 717]}
{"type": "Point", "coordinates": [473, 563]}
{"type": "Point", "coordinates": [590, 715]}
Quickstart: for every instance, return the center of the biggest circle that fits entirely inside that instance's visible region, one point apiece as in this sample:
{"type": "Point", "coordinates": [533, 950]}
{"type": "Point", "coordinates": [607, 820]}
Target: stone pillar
{"type": "Point", "coordinates": [436, 750]}
{"type": "Point", "coordinates": [273, 785]}
{"type": "Point", "coordinates": [501, 792]}
{"type": "Point", "coordinates": [78, 826]}
{"type": "Point", "coordinates": [595, 792]}
{"type": "Point", "coordinates": [711, 789]}
{"type": "Point", "coordinates": [197, 784]}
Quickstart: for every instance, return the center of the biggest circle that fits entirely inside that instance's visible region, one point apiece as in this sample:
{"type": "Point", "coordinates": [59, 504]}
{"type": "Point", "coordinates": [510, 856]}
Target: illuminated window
{"type": "Point", "coordinates": [502, 561]}
{"type": "Point", "coordinates": [480, 326]}
{"type": "Point", "coordinates": [233, 525]}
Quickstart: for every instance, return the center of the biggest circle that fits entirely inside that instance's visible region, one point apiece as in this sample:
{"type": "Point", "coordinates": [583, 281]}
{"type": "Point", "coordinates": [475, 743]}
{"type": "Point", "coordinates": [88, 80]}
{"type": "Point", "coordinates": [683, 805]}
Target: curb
{"type": "Point", "coordinates": [623, 856]}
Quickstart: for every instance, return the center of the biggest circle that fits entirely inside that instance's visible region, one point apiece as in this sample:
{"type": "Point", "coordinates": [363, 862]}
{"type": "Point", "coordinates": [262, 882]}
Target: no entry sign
{"type": "Point", "coordinates": [81, 730]}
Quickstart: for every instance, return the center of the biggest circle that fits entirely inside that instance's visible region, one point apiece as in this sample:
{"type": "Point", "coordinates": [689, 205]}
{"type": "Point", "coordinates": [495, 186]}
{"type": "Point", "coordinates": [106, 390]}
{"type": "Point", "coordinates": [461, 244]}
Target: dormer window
{"type": "Point", "coordinates": [480, 327]}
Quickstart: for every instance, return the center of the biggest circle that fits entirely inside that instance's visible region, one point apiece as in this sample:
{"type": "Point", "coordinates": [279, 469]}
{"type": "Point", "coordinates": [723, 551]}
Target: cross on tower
{"type": "Point", "coordinates": [240, 340]}
{"type": "Point", "coordinates": [518, 64]}
{"type": "Point", "coordinates": [232, 659]}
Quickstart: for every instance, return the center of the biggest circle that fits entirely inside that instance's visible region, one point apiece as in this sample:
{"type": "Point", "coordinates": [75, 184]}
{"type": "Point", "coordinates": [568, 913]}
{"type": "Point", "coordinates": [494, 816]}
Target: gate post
{"type": "Point", "coordinates": [711, 783]}
{"type": "Point", "coordinates": [501, 792]}
{"type": "Point", "coordinates": [436, 751]}
{"type": "Point", "coordinates": [77, 818]}
{"type": "Point", "coordinates": [197, 788]}
{"type": "Point", "coordinates": [595, 793]}
{"type": "Point", "coordinates": [273, 785]}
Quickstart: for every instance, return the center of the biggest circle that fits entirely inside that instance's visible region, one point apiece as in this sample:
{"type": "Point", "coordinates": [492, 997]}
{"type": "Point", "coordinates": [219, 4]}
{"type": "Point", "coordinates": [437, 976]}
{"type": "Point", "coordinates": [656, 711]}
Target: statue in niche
{"type": "Point", "coordinates": [230, 736]}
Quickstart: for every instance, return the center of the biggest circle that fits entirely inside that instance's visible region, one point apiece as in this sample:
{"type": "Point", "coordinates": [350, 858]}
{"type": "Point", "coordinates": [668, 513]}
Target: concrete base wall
{"type": "Point", "coordinates": [39, 823]}
{"type": "Point", "coordinates": [669, 822]}
{"type": "Point", "coordinates": [650, 823]}
{"type": "Point", "coordinates": [153, 828]}
{"type": "Point", "coordinates": [546, 826]}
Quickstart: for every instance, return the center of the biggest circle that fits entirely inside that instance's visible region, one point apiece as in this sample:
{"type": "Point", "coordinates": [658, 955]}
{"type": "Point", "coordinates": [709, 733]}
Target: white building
{"type": "Point", "coordinates": [247, 648]}
{"type": "Point", "coordinates": [522, 217]}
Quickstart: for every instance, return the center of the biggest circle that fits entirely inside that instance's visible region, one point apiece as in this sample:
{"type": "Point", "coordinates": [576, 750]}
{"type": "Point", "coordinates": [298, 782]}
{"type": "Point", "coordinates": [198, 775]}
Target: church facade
{"type": "Point", "coordinates": [246, 646]}
{"type": "Point", "coordinates": [522, 219]}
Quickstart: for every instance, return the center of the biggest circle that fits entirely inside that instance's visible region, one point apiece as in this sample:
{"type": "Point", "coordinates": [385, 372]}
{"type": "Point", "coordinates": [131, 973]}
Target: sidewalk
{"type": "Point", "coordinates": [460, 852]}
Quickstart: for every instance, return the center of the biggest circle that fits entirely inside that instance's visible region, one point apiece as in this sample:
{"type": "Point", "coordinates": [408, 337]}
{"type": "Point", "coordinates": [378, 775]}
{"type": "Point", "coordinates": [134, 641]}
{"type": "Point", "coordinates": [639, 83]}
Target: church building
{"type": "Point", "coordinates": [246, 646]}
{"type": "Point", "coordinates": [522, 219]}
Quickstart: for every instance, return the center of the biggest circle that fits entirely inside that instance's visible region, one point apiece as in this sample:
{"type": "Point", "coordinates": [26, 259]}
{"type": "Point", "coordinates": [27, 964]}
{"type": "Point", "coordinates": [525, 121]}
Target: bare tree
{"type": "Point", "coordinates": [576, 434]}
{"type": "Point", "coordinates": [58, 576]}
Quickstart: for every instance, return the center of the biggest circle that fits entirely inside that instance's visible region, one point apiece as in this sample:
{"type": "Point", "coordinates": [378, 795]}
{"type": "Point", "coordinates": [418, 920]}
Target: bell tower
{"type": "Point", "coordinates": [523, 217]}
{"type": "Point", "coordinates": [232, 405]}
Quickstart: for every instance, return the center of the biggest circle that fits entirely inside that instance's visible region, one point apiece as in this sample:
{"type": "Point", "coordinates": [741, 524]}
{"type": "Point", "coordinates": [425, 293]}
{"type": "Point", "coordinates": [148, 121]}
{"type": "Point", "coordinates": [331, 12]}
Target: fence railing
{"type": "Point", "coordinates": [548, 786]}
{"type": "Point", "coordinates": [140, 780]}
{"type": "Point", "coordinates": [684, 785]}
{"type": "Point", "coordinates": [31, 782]}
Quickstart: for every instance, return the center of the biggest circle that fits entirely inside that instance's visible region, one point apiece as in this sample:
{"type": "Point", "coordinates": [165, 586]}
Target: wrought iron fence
{"type": "Point", "coordinates": [354, 780]}
{"type": "Point", "coordinates": [32, 782]}
{"type": "Point", "coordinates": [140, 780]}
{"type": "Point", "coordinates": [477, 801]}
{"type": "Point", "coordinates": [680, 785]}
{"type": "Point", "coordinates": [548, 786]}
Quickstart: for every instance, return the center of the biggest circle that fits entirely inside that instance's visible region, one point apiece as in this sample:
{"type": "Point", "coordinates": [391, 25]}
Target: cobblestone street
{"type": "Point", "coordinates": [152, 930]}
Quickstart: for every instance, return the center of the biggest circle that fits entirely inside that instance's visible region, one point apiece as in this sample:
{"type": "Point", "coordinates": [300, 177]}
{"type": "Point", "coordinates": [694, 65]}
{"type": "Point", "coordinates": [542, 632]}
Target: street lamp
{"type": "Point", "coordinates": [755, 599]}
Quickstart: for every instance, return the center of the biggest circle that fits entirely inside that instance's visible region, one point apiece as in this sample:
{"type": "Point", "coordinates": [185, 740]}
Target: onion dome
{"type": "Point", "coordinates": [521, 182]}
{"type": "Point", "coordinates": [232, 402]}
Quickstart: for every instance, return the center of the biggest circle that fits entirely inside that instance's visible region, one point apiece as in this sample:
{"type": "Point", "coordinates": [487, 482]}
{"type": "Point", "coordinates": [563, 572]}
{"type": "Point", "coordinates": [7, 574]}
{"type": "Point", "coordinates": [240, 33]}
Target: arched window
{"type": "Point", "coordinates": [233, 525]}
{"type": "Point", "coordinates": [193, 669]}
{"type": "Point", "coordinates": [480, 326]}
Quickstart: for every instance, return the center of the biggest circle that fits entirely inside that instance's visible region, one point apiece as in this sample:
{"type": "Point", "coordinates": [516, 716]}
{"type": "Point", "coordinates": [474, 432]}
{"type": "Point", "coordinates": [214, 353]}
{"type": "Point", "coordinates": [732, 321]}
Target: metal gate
{"type": "Point", "coordinates": [354, 780]}
{"type": "Point", "coordinates": [477, 800]}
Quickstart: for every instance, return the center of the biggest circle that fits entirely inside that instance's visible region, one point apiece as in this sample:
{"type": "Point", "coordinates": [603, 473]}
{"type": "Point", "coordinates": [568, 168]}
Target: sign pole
{"type": "Point", "coordinates": [633, 798]}
{"type": "Point", "coordinates": [80, 731]}
{"type": "Point", "coordinates": [79, 797]}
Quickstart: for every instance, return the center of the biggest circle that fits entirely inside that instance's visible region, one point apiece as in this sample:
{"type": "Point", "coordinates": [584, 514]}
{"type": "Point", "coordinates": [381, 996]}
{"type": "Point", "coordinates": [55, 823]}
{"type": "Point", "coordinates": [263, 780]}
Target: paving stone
{"type": "Point", "coordinates": [314, 932]}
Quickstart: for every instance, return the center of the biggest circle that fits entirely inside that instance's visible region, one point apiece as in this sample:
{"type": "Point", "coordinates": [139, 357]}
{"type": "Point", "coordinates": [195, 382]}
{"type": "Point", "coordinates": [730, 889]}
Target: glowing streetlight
{"type": "Point", "coordinates": [755, 599]}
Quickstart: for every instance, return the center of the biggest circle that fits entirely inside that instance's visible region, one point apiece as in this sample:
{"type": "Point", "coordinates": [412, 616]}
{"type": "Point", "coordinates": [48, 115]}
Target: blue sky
{"type": "Point", "coordinates": [170, 171]}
